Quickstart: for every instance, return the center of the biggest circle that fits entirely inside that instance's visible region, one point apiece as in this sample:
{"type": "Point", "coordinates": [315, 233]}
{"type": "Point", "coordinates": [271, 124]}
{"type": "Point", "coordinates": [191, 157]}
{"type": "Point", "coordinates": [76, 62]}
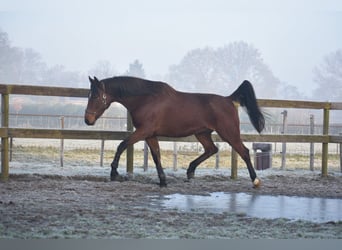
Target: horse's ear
{"type": "Point", "coordinates": [96, 80]}
{"type": "Point", "coordinates": [91, 80]}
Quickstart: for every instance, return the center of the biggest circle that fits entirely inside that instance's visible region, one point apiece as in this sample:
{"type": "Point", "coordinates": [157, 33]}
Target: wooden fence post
{"type": "Point", "coordinates": [234, 161]}
{"type": "Point", "coordinates": [5, 140]}
{"type": "Point", "coordinates": [283, 149]}
{"type": "Point", "coordinates": [325, 144]}
{"type": "Point", "coordinates": [341, 154]}
{"type": "Point", "coordinates": [234, 156]}
{"type": "Point", "coordinates": [312, 145]}
{"type": "Point", "coordinates": [217, 160]}
{"type": "Point", "coordinates": [145, 156]}
{"type": "Point", "coordinates": [11, 149]}
{"type": "Point", "coordinates": [61, 151]}
{"type": "Point", "coordinates": [102, 152]}
{"type": "Point", "coordinates": [174, 156]}
{"type": "Point", "coordinates": [130, 149]}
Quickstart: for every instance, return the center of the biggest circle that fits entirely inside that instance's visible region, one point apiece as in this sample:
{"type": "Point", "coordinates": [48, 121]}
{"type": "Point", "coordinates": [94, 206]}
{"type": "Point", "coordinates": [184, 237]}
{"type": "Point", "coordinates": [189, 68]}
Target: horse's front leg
{"type": "Point", "coordinates": [114, 175]}
{"type": "Point", "coordinates": [133, 138]}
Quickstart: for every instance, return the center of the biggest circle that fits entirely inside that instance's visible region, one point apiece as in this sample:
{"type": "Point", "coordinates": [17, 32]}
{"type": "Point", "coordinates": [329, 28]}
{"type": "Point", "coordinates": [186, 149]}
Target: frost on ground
{"type": "Point", "coordinates": [76, 202]}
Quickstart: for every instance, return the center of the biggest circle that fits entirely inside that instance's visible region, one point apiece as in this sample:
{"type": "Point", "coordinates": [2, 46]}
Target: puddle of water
{"type": "Point", "coordinates": [260, 206]}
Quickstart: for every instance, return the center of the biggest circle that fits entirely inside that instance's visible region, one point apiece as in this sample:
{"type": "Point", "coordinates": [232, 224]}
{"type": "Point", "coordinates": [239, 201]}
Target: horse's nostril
{"type": "Point", "coordinates": [88, 122]}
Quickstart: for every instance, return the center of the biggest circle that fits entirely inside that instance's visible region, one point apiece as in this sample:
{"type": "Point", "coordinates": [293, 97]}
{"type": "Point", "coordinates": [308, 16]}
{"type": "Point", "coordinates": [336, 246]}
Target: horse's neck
{"type": "Point", "coordinates": [131, 103]}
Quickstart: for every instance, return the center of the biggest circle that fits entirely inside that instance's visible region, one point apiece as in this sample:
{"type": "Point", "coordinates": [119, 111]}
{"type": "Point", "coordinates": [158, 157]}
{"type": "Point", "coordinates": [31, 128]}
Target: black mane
{"type": "Point", "coordinates": [126, 86]}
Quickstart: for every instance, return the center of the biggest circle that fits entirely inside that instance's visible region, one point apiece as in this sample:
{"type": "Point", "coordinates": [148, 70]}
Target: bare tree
{"type": "Point", "coordinates": [102, 69]}
{"type": "Point", "coordinates": [328, 76]}
{"type": "Point", "coordinates": [195, 72]}
{"type": "Point", "coordinates": [58, 75]}
{"type": "Point", "coordinates": [136, 69]}
{"type": "Point", "coordinates": [18, 65]}
{"type": "Point", "coordinates": [221, 70]}
{"type": "Point", "coordinates": [286, 91]}
{"type": "Point", "coordinates": [32, 67]}
{"type": "Point", "coordinates": [239, 61]}
{"type": "Point", "coordinates": [10, 60]}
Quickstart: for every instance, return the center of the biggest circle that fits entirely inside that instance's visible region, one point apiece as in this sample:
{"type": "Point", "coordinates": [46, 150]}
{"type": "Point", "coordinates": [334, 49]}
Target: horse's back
{"type": "Point", "coordinates": [183, 114]}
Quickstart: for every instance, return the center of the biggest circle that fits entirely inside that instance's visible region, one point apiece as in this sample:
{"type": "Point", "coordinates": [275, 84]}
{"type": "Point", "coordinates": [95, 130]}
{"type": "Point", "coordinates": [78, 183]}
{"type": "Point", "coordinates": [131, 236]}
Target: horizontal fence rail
{"type": "Point", "coordinates": [118, 123]}
{"type": "Point", "coordinates": [7, 132]}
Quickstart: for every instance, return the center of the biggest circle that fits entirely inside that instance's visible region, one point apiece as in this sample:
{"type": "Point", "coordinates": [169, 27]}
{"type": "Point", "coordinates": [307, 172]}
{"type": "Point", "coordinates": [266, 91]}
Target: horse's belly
{"type": "Point", "coordinates": [186, 116]}
{"type": "Point", "coordinates": [182, 128]}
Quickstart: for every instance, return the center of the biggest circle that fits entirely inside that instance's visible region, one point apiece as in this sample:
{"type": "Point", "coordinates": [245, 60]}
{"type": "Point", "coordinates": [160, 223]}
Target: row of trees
{"type": "Point", "coordinates": [217, 70]}
{"type": "Point", "coordinates": [221, 69]}
{"type": "Point", "coordinates": [22, 65]}
{"type": "Point", "coordinates": [18, 65]}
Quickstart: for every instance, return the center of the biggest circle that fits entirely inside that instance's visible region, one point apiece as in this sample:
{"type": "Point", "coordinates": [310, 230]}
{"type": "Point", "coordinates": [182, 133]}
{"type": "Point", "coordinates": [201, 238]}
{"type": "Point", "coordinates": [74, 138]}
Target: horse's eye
{"type": "Point", "coordinates": [92, 95]}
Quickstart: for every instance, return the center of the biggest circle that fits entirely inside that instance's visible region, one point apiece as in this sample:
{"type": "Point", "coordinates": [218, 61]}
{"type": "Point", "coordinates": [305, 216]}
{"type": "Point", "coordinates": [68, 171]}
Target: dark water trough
{"type": "Point", "coordinates": [260, 206]}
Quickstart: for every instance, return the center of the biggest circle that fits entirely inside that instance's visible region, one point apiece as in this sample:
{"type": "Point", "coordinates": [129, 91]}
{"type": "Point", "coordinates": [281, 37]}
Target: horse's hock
{"type": "Point", "coordinates": [262, 155]}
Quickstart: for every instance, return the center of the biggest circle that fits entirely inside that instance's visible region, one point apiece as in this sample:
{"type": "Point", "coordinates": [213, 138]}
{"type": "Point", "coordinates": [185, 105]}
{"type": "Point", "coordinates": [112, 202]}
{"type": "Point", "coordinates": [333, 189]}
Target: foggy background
{"type": "Point", "coordinates": [288, 46]}
{"type": "Point", "coordinates": [287, 49]}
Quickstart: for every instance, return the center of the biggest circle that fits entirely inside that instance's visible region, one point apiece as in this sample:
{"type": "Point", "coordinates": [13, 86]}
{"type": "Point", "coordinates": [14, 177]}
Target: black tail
{"type": "Point", "coordinates": [246, 97]}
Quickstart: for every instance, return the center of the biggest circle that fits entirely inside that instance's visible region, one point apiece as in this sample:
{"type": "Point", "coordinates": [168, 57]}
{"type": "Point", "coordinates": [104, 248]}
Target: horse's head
{"type": "Point", "coordinates": [97, 101]}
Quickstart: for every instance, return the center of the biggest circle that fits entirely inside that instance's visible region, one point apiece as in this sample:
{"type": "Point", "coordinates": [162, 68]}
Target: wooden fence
{"type": "Point", "coordinates": [7, 132]}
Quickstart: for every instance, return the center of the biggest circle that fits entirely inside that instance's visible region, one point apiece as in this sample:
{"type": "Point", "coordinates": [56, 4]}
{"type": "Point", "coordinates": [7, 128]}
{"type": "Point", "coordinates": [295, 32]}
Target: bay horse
{"type": "Point", "coordinates": [157, 109]}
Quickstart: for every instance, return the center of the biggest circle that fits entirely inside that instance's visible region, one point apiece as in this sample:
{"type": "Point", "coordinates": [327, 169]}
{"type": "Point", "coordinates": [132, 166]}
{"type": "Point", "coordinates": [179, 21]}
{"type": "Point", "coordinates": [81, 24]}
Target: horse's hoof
{"type": "Point", "coordinates": [190, 175]}
{"type": "Point", "coordinates": [256, 183]}
{"type": "Point", "coordinates": [163, 184]}
{"type": "Point", "coordinates": [117, 178]}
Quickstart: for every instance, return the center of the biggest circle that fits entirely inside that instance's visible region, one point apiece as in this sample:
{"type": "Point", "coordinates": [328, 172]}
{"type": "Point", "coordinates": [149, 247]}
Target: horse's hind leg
{"type": "Point", "coordinates": [155, 151]}
{"type": "Point", "coordinates": [209, 149]}
{"type": "Point", "coordinates": [243, 151]}
{"type": "Point", "coordinates": [235, 141]}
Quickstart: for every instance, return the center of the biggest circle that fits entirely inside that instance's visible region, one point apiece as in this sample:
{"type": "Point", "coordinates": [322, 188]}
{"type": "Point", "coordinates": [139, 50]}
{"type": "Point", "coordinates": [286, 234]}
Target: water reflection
{"type": "Point", "coordinates": [261, 206]}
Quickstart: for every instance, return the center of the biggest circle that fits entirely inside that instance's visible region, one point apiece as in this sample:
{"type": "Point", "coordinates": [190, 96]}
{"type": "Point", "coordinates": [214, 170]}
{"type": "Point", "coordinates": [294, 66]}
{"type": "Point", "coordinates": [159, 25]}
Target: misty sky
{"type": "Point", "coordinates": [292, 36]}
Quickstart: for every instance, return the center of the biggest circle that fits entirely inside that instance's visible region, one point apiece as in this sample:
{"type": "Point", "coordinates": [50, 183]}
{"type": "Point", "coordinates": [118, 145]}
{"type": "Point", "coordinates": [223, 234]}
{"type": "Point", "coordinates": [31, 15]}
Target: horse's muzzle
{"type": "Point", "coordinates": [89, 123]}
{"type": "Point", "coordinates": [89, 118]}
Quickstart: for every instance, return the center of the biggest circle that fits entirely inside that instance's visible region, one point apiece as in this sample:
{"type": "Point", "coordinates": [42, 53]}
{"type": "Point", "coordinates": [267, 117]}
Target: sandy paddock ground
{"type": "Point", "coordinates": [81, 202]}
